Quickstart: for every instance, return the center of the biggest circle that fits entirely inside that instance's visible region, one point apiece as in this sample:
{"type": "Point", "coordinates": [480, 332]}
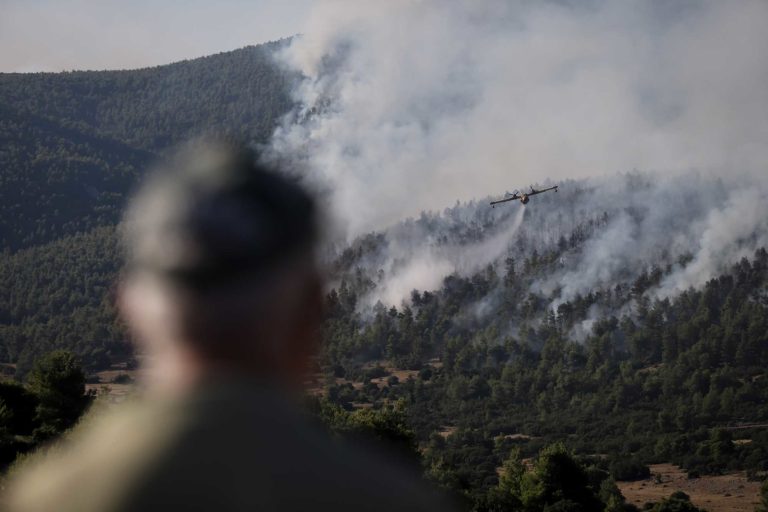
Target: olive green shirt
{"type": "Point", "coordinates": [230, 446]}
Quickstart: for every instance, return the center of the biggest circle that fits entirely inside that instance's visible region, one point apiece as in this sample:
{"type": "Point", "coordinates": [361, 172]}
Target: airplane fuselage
{"type": "Point", "coordinates": [522, 197]}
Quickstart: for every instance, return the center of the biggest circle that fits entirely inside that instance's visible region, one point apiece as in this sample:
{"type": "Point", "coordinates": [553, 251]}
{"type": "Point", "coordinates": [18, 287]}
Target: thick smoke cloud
{"type": "Point", "coordinates": [659, 220]}
{"type": "Point", "coordinates": [729, 234]}
{"type": "Point", "coordinates": [406, 106]}
{"type": "Point", "coordinates": [422, 263]}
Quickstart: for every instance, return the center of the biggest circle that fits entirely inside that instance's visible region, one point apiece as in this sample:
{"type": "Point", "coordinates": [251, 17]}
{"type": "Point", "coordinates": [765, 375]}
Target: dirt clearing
{"type": "Point", "coordinates": [726, 493]}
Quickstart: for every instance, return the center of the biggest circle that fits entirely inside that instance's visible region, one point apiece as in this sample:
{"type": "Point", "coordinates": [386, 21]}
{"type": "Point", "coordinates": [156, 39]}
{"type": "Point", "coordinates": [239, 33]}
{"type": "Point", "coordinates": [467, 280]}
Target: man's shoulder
{"type": "Point", "coordinates": [258, 449]}
{"type": "Point", "coordinates": [222, 451]}
{"type": "Point", "coordinates": [95, 463]}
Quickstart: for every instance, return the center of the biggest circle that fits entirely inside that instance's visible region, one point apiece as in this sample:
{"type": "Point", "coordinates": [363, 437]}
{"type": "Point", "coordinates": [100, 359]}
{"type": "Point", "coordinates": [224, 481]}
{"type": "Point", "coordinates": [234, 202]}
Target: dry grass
{"type": "Point", "coordinates": [447, 431]}
{"type": "Point", "coordinates": [402, 376]}
{"type": "Point", "coordinates": [7, 371]}
{"type": "Point", "coordinates": [724, 493]}
{"type": "Point", "coordinates": [316, 384]}
{"type": "Point", "coordinates": [113, 392]}
{"type": "Point", "coordinates": [519, 437]}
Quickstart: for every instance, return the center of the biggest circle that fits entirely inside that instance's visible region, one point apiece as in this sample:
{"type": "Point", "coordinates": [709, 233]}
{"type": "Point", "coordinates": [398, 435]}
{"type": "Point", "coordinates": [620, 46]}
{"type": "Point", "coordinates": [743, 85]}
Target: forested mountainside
{"type": "Point", "coordinates": [676, 379]}
{"type": "Point", "coordinates": [72, 145]}
{"type": "Point", "coordinates": [61, 295]}
{"type": "Point", "coordinates": [57, 180]}
{"type": "Point", "coordinates": [242, 92]}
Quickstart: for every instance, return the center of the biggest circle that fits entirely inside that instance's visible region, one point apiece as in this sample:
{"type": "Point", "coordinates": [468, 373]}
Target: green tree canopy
{"type": "Point", "coordinates": [58, 381]}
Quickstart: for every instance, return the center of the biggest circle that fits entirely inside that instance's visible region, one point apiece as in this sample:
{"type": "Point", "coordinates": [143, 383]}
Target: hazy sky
{"type": "Point", "coordinates": [55, 35]}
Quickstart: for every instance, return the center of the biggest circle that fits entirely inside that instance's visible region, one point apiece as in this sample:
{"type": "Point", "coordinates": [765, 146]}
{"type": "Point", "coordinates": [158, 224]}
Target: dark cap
{"type": "Point", "coordinates": [213, 214]}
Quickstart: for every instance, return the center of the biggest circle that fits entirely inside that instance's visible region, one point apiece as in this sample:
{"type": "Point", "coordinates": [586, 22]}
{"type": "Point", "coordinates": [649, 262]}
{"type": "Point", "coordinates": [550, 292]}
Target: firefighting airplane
{"type": "Point", "coordinates": [523, 197]}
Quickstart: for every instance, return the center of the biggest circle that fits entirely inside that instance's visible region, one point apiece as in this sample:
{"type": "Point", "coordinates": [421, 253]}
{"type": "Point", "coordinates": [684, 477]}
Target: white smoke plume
{"type": "Point", "coordinates": [406, 106]}
{"type": "Point", "coordinates": [426, 268]}
{"type": "Point", "coordinates": [729, 234]}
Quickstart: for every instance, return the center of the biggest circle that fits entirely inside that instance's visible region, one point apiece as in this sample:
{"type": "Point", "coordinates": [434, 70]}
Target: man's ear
{"type": "Point", "coordinates": [145, 309]}
{"type": "Point", "coordinates": [132, 312]}
{"type": "Point", "coordinates": [124, 302]}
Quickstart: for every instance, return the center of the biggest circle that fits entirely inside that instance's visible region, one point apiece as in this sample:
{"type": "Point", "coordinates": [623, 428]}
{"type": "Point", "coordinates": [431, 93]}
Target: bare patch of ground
{"type": "Point", "coordinates": [447, 431]}
{"type": "Point", "coordinates": [116, 384]}
{"type": "Point", "coordinates": [722, 493]}
{"type": "Point", "coordinates": [518, 437]}
{"type": "Point", "coordinates": [7, 371]}
{"type": "Point", "coordinates": [402, 376]}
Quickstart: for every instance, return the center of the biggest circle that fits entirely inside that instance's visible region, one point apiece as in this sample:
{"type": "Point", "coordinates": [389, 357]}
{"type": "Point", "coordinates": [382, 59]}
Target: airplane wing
{"type": "Point", "coordinates": [513, 197]}
{"type": "Point", "coordinates": [534, 192]}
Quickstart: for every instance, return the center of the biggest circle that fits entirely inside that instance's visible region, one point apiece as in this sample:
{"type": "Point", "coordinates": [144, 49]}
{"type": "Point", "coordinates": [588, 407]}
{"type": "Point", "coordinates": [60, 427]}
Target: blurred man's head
{"type": "Point", "coordinates": [221, 270]}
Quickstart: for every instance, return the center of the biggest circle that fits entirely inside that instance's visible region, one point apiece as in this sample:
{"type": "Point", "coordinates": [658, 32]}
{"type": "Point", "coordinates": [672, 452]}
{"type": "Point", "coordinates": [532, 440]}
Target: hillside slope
{"type": "Point", "coordinates": [57, 180]}
{"type": "Point", "coordinates": [72, 145]}
{"type": "Point", "coordinates": [241, 92]}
